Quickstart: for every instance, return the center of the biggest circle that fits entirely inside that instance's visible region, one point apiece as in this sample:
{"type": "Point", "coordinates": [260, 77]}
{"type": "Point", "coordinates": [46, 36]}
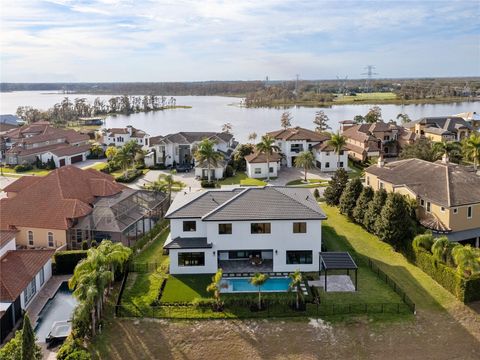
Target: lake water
{"type": "Point", "coordinates": [208, 113]}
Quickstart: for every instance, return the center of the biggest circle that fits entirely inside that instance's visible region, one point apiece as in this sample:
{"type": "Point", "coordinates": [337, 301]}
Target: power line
{"type": "Point", "coordinates": [370, 72]}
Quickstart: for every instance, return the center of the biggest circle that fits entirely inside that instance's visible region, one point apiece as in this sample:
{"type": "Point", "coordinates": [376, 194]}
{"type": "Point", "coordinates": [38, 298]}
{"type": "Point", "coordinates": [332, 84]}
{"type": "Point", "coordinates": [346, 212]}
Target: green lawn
{"type": "Point", "coordinates": [421, 288]}
{"type": "Point", "coordinates": [34, 171]}
{"type": "Point", "coordinates": [375, 96]}
{"type": "Point", "coordinates": [241, 178]}
{"type": "Point", "coordinates": [97, 166]}
{"type": "Point", "coordinates": [185, 288]}
{"type": "Point", "coordinates": [312, 183]}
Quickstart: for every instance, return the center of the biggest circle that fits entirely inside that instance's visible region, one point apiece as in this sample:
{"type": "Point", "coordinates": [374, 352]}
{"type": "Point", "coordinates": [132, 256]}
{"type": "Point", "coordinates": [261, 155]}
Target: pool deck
{"type": "Point", "coordinates": [47, 292]}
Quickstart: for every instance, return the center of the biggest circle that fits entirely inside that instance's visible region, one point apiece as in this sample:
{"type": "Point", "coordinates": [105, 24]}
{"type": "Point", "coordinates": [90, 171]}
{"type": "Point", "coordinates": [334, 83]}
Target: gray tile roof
{"type": "Point", "coordinates": [268, 203]}
{"type": "Point", "coordinates": [448, 123]}
{"type": "Point", "coordinates": [188, 243]}
{"type": "Point", "coordinates": [197, 204]}
{"type": "Point", "coordinates": [190, 137]}
{"type": "Point", "coordinates": [446, 185]}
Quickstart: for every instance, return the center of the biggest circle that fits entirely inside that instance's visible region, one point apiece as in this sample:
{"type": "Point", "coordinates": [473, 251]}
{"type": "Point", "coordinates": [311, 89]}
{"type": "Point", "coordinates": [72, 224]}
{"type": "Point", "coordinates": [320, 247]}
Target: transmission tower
{"type": "Point", "coordinates": [370, 72]}
{"type": "Point", "coordinates": [342, 84]}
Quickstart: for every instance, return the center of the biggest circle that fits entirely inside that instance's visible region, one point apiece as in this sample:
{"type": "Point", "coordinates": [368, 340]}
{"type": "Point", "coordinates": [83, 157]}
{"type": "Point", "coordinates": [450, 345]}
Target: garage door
{"type": "Point", "coordinates": [75, 159]}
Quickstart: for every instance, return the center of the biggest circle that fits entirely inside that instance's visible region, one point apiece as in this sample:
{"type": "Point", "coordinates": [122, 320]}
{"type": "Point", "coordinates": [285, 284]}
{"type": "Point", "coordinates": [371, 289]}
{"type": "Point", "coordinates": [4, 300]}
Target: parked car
{"type": "Point", "coordinates": [183, 168]}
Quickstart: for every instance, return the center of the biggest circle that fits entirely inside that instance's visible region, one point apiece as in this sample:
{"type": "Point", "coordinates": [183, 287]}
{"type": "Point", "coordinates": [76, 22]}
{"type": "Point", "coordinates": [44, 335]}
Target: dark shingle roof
{"type": "Point", "coordinates": [444, 184]}
{"type": "Point", "coordinates": [448, 123]}
{"type": "Point", "coordinates": [268, 203]}
{"type": "Point", "coordinates": [188, 243]}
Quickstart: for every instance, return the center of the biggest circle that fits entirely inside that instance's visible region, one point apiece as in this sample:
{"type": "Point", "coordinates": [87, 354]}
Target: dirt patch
{"type": "Point", "coordinates": [430, 335]}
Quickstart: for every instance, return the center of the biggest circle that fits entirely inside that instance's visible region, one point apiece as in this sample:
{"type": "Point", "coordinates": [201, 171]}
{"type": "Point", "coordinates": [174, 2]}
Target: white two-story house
{"type": "Point", "coordinates": [245, 230]}
{"type": "Point", "coordinates": [293, 141]}
{"type": "Point", "coordinates": [121, 136]}
{"type": "Point", "coordinates": [328, 159]}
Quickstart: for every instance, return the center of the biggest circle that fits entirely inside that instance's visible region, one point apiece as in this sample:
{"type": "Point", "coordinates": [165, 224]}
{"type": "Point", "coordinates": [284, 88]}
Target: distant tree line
{"type": "Point", "coordinates": [67, 110]}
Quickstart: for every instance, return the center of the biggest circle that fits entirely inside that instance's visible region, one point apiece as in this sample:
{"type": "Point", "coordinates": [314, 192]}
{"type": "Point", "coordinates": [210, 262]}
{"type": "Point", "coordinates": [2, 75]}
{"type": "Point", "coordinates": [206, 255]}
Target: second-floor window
{"type": "Point", "coordinates": [30, 238]}
{"type": "Point", "coordinates": [189, 226]}
{"type": "Point", "coordinates": [224, 229]}
{"type": "Point", "coordinates": [327, 164]}
{"type": "Point", "coordinates": [260, 228]}
{"type": "Point", "coordinates": [296, 148]}
{"type": "Point", "coordinates": [299, 227]}
{"type": "Point", "coordinates": [469, 212]}
{"type": "Point", "coordinates": [50, 239]}
{"type": "Point", "coordinates": [428, 206]}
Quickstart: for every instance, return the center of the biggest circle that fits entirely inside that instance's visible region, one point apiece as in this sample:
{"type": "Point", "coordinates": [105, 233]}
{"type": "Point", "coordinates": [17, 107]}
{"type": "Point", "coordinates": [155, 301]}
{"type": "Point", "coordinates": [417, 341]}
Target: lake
{"type": "Point", "coordinates": [208, 113]}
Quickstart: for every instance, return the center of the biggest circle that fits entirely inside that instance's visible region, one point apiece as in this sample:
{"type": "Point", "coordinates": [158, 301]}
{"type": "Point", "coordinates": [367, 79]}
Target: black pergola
{"type": "Point", "coordinates": [333, 260]}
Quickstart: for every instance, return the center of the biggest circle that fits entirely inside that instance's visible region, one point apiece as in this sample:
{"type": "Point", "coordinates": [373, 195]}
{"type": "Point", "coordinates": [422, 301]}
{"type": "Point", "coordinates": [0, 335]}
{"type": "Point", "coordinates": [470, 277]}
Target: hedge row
{"type": "Point", "coordinates": [65, 261]}
{"type": "Point", "coordinates": [466, 290]}
{"type": "Point", "coordinates": [129, 176]}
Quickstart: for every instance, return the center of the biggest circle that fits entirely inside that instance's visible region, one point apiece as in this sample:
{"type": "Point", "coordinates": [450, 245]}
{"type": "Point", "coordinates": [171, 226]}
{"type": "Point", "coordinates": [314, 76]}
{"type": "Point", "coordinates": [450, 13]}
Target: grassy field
{"type": "Point", "coordinates": [38, 172]}
{"type": "Point", "coordinates": [366, 97]}
{"type": "Point", "coordinates": [311, 183]}
{"type": "Point", "coordinates": [97, 166]}
{"type": "Point", "coordinates": [241, 178]}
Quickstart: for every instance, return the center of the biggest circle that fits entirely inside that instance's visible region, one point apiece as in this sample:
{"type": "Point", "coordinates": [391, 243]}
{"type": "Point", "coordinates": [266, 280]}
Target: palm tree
{"type": "Point", "coordinates": [116, 255]}
{"type": "Point", "coordinates": [466, 259]}
{"type": "Point", "coordinates": [206, 153]}
{"type": "Point", "coordinates": [96, 150]}
{"type": "Point", "coordinates": [447, 148]}
{"type": "Point", "coordinates": [305, 160]}
{"type": "Point", "coordinates": [472, 149]}
{"type": "Point", "coordinates": [166, 183]}
{"type": "Point", "coordinates": [441, 249]}
{"type": "Point", "coordinates": [258, 280]}
{"type": "Point", "coordinates": [214, 288]}
{"type": "Point", "coordinates": [111, 152]}
{"type": "Point", "coordinates": [296, 280]}
{"type": "Point", "coordinates": [338, 141]}
{"type": "Point", "coordinates": [268, 147]}
{"type": "Point", "coordinates": [124, 158]}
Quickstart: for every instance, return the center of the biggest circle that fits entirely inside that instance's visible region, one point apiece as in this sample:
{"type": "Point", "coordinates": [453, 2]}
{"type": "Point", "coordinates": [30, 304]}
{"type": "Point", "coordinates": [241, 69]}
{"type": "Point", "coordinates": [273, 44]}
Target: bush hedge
{"type": "Point", "coordinates": [207, 184]}
{"type": "Point", "coordinates": [466, 290]}
{"type": "Point", "coordinates": [129, 176]}
{"type": "Point", "coordinates": [23, 167]}
{"type": "Point", "coordinates": [65, 261]}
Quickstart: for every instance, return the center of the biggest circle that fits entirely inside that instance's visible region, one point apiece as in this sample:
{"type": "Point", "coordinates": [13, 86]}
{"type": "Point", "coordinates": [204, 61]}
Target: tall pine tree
{"type": "Point", "coordinates": [374, 209]}
{"type": "Point", "coordinates": [395, 226]}
{"type": "Point", "coordinates": [335, 187]}
{"type": "Point", "coordinates": [349, 197]}
{"type": "Point", "coordinates": [30, 350]}
{"type": "Point", "coordinates": [362, 204]}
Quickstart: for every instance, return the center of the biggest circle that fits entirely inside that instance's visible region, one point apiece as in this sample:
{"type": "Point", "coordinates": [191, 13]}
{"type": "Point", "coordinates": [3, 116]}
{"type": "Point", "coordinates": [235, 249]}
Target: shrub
{"type": "Point", "coordinates": [70, 347]}
{"type": "Point", "coordinates": [362, 204]}
{"type": "Point", "coordinates": [140, 166]}
{"type": "Point", "coordinates": [50, 164]}
{"type": "Point", "coordinates": [349, 197]}
{"type": "Point", "coordinates": [316, 193]}
{"type": "Point", "coordinates": [23, 167]}
{"type": "Point", "coordinates": [93, 244]}
{"type": "Point", "coordinates": [229, 171]}
{"type": "Point", "coordinates": [129, 176]}
{"type": "Point", "coordinates": [79, 355]}
{"type": "Point", "coordinates": [65, 261]}
{"type": "Point", "coordinates": [423, 241]}
{"type": "Point", "coordinates": [84, 245]}
{"type": "Point", "coordinates": [373, 210]}
{"type": "Point", "coordinates": [207, 184]}
{"type": "Point", "coordinates": [110, 167]}
{"type": "Point", "coordinates": [335, 187]}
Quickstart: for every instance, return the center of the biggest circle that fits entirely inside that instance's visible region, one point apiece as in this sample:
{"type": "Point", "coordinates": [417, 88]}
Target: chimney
{"type": "Point", "coordinates": [380, 161]}
{"type": "Point", "coordinates": [445, 159]}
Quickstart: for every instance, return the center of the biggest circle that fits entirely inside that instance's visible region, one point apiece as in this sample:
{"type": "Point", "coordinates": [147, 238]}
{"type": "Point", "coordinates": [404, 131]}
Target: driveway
{"type": "Point", "coordinates": [88, 163]}
{"type": "Point", "coordinates": [187, 178]}
{"type": "Point", "coordinates": [286, 175]}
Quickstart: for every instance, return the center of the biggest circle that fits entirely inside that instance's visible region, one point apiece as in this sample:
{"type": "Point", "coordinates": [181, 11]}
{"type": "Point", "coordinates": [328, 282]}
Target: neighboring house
{"type": "Point", "coordinates": [245, 230]}
{"type": "Point", "coordinates": [327, 159]}
{"type": "Point", "coordinates": [448, 195]}
{"type": "Point", "coordinates": [121, 136]}
{"type": "Point", "coordinates": [295, 140]}
{"type": "Point", "coordinates": [179, 149]}
{"type": "Point", "coordinates": [257, 166]}
{"type": "Point", "coordinates": [365, 141]}
{"type": "Point", "coordinates": [24, 273]}
{"type": "Point", "coordinates": [71, 205]}
{"type": "Point", "coordinates": [445, 128]}
{"type": "Point", "coordinates": [216, 172]}
{"type": "Point", "coordinates": [40, 140]}
{"type": "Point", "coordinates": [472, 118]}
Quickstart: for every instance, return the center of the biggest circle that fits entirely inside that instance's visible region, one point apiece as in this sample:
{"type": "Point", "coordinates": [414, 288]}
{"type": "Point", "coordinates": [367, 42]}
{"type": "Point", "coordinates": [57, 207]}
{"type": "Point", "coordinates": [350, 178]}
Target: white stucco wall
{"type": "Point", "coordinates": [263, 170]}
{"type": "Point", "coordinates": [324, 157]}
{"type": "Point", "coordinates": [47, 268]}
{"type": "Point", "coordinates": [218, 172]}
{"type": "Point", "coordinates": [8, 246]}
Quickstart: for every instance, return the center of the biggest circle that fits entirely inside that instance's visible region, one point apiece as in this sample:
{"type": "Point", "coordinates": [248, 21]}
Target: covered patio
{"type": "Point", "coordinates": [337, 261]}
{"type": "Point", "coordinates": [245, 266]}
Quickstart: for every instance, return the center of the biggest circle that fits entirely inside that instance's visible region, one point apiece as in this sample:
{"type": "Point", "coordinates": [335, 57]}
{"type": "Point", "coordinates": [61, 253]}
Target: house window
{"type": "Point", "coordinates": [327, 165]}
{"type": "Point", "coordinates": [189, 226]}
{"type": "Point", "coordinates": [328, 153]}
{"type": "Point", "coordinates": [455, 210]}
{"type": "Point", "coordinates": [341, 152]}
{"type": "Point", "coordinates": [30, 238]}
{"type": "Point", "coordinates": [271, 170]}
{"type": "Point", "coordinates": [224, 229]}
{"type": "Point", "coordinates": [258, 171]}
{"type": "Point", "coordinates": [422, 202]}
{"type": "Point", "coordinates": [469, 212]}
{"type": "Point", "coordinates": [244, 254]}
{"type": "Point", "coordinates": [299, 257]}
{"type": "Point", "coordinates": [380, 184]}
{"type": "Point", "coordinates": [428, 206]}
{"type": "Point", "coordinates": [191, 259]}
{"type": "Point", "coordinates": [299, 227]}
{"type": "Point", "coordinates": [50, 239]}
{"type": "Point", "coordinates": [341, 164]}
{"type": "Point", "coordinates": [260, 228]}
{"type": "Point", "coordinates": [30, 291]}
{"type": "Point", "coordinates": [42, 276]}
{"type": "Point", "coordinates": [368, 181]}
{"type": "Point", "coordinates": [442, 209]}
{"type": "Point", "coordinates": [386, 137]}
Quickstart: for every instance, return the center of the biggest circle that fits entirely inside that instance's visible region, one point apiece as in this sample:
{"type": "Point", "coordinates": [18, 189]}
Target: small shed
{"type": "Point", "coordinates": [333, 260]}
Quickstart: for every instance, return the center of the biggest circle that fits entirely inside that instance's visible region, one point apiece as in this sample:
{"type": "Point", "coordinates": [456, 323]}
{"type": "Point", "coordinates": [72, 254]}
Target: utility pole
{"type": "Point", "coordinates": [370, 72]}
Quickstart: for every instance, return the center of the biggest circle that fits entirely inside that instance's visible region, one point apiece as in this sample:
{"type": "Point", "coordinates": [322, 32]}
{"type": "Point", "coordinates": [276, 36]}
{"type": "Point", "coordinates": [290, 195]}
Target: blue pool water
{"type": "Point", "coordinates": [58, 308]}
{"type": "Point", "coordinates": [271, 285]}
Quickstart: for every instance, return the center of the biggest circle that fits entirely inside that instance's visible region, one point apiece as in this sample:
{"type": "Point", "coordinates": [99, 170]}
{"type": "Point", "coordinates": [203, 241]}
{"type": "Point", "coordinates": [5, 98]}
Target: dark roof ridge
{"type": "Point", "coordinates": [290, 197]}
{"type": "Point", "coordinates": [228, 201]}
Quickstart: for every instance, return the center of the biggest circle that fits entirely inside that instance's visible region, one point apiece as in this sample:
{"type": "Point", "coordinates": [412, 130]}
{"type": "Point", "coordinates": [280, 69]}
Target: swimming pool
{"type": "Point", "coordinates": [231, 285]}
{"type": "Point", "coordinates": [58, 308]}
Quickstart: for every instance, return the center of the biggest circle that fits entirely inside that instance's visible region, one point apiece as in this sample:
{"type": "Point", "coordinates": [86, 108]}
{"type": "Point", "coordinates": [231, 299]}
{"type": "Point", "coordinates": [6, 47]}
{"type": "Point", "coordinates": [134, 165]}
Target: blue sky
{"type": "Point", "coordinates": [183, 40]}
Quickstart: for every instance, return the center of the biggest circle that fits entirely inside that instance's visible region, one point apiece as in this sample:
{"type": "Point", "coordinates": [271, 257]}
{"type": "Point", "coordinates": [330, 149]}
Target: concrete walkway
{"type": "Point", "coordinates": [335, 283]}
{"type": "Point", "coordinates": [47, 292]}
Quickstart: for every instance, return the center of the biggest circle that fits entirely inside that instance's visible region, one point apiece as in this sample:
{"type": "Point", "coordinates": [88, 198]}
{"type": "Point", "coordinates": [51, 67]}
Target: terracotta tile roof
{"type": "Point", "coordinates": [21, 183]}
{"type": "Point", "coordinates": [298, 133]}
{"type": "Point", "coordinates": [6, 236]}
{"type": "Point", "coordinates": [7, 127]}
{"type": "Point", "coordinates": [21, 151]}
{"type": "Point", "coordinates": [259, 157]}
{"type": "Point", "coordinates": [443, 184]}
{"type": "Point", "coordinates": [71, 150]}
{"type": "Point", "coordinates": [327, 147]}
{"type": "Point", "coordinates": [51, 202]}
{"type": "Point", "coordinates": [18, 269]}
{"type": "Point", "coordinates": [359, 133]}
